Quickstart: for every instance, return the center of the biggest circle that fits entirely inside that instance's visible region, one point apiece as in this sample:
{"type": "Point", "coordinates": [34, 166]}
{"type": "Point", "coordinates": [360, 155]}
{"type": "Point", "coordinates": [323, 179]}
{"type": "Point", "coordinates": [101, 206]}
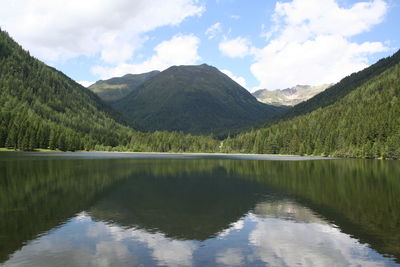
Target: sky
{"type": "Point", "coordinates": [258, 43]}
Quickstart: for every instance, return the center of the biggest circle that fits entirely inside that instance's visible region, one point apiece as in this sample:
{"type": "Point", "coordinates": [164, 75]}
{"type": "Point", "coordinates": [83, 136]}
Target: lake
{"type": "Point", "coordinates": [120, 209]}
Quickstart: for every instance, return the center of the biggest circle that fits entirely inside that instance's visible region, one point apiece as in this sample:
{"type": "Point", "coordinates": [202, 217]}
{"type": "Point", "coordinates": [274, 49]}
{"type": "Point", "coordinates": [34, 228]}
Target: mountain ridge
{"type": "Point", "coordinates": [342, 88]}
{"type": "Point", "coordinates": [193, 99]}
{"type": "Point", "coordinates": [289, 96]}
{"type": "Point", "coordinates": [116, 88]}
{"type": "Point", "coordinates": [40, 107]}
{"type": "Point", "coordinates": [362, 121]}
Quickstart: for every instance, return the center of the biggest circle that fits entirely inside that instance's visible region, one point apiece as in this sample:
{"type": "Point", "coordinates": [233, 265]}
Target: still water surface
{"type": "Point", "coordinates": [102, 209]}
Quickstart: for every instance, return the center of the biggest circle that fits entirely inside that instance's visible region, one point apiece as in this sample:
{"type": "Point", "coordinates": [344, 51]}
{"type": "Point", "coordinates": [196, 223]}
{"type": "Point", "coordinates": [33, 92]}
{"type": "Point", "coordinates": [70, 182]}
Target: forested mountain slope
{"type": "Point", "coordinates": [342, 88]}
{"type": "Point", "coordinates": [40, 107]}
{"type": "Point", "coordinates": [116, 88]}
{"type": "Point", "coordinates": [364, 123]}
{"type": "Point", "coordinates": [193, 99]}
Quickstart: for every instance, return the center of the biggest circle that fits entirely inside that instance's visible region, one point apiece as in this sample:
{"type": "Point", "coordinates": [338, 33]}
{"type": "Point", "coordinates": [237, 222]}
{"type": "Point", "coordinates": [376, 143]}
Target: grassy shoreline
{"type": "Point", "coordinates": [186, 153]}
{"type": "Point", "coordinates": [165, 153]}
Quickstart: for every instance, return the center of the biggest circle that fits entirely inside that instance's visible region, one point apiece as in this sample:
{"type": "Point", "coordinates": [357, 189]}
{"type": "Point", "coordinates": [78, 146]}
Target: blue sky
{"type": "Point", "coordinates": [260, 44]}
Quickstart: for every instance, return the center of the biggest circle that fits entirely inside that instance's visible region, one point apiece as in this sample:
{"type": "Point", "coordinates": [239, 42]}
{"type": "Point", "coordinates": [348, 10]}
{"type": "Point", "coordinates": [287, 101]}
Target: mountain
{"type": "Point", "coordinates": [361, 118]}
{"type": "Point", "coordinates": [193, 99]}
{"type": "Point", "coordinates": [119, 87]}
{"type": "Point", "coordinates": [41, 107]}
{"type": "Point", "coordinates": [342, 88]}
{"type": "Point", "coordinates": [289, 96]}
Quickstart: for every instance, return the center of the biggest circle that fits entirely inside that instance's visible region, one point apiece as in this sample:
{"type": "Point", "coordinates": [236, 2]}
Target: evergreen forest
{"type": "Point", "coordinates": [41, 108]}
{"type": "Point", "coordinates": [363, 124]}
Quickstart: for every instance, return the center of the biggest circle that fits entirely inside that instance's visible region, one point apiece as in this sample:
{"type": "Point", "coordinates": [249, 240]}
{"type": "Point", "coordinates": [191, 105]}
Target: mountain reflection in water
{"type": "Point", "coordinates": [127, 212]}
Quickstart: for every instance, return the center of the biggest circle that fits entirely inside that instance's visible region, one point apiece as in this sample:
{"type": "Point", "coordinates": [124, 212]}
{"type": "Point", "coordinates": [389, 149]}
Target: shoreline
{"type": "Point", "coordinates": [172, 155]}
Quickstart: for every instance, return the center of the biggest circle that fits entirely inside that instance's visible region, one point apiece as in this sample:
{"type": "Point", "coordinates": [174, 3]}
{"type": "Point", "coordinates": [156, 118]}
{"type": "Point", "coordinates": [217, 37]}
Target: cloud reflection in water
{"type": "Point", "coordinates": [277, 233]}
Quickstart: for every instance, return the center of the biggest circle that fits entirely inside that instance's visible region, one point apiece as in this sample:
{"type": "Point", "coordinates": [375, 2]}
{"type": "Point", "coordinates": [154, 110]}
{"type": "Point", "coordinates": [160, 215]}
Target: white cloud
{"type": "Point", "coordinates": [238, 47]}
{"type": "Point", "coordinates": [179, 50]}
{"type": "Point", "coordinates": [85, 83]}
{"type": "Point", "coordinates": [307, 18]}
{"type": "Point", "coordinates": [166, 251]}
{"type": "Point", "coordinates": [287, 243]}
{"type": "Point", "coordinates": [114, 30]}
{"type": "Point", "coordinates": [267, 236]}
{"type": "Point", "coordinates": [236, 226]}
{"type": "Point", "coordinates": [235, 17]}
{"type": "Point", "coordinates": [213, 30]}
{"type": "Point", "coordinates": [239, 80]}
{"type": "Point", "coordinates": [326, 59]}
{"type": "Point", "coordinates": [230, 257]}
{"type": "Point", "coordinates": [313, 47]}
{"type": "Point", "coordinates": [108, 252]}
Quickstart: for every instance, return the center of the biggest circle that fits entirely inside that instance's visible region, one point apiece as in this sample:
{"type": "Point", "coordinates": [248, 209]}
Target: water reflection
{"type": "Point", "coordinates": [262, 239]}
{"type": "Point", "coordinates": [287, 210]}
{"type": "Point", "coordinates": [287, 234]}
{"type": "Point", "coordinates": [127, 212]}
{"type": "Point", "coordinates": [190, 206]}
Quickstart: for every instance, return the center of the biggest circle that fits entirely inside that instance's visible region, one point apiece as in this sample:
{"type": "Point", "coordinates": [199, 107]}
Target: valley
{"type": "Point", "coordinates": [199, 133]}
{"type": "Point", "coordinates": [195, 109]}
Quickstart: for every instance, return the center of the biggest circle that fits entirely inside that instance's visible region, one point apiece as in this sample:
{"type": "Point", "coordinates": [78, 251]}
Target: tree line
{"type": "Point", "coordinates": [363, 124]}
{"type": "Point", "coordinates": [41, 107]}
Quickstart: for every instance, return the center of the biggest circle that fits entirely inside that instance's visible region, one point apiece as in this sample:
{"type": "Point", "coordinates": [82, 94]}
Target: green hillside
{"type": "Point", "coordinates": [364, 123]}
{"type": "Point", "coordinates": [116, 88]}
{"type": "Point", "coordinates": [193, 99]}
{"type": "Point", "coordinates": [40, 107]}
{"type": "Point", "coordinates": [342, 88]}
